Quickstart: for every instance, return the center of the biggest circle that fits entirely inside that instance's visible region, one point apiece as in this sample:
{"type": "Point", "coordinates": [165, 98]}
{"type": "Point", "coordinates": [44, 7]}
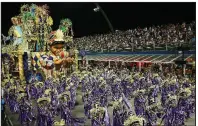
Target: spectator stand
{"type": "Point", "coordinates": [165, 37]}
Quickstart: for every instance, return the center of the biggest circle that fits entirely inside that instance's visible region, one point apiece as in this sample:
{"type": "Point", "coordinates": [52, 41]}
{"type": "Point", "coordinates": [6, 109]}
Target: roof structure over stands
{"type": "Point", "coordinates": [168, 58]}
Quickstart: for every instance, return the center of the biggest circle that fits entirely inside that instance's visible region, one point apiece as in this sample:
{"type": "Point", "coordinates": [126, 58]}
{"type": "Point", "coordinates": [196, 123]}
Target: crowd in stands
{"type": "Point", "coordinates": [164, 37]}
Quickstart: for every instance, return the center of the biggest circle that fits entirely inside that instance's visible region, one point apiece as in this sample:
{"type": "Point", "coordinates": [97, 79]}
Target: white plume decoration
{"type": "Point", "coordinates": [59, 35]}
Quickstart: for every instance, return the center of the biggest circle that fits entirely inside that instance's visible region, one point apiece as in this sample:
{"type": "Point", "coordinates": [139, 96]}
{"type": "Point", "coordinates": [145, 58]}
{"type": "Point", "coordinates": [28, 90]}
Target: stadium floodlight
{"type": "Point", "coordinates": [99, 9]}
{"type": "Point", "coordinates": [96, 9]}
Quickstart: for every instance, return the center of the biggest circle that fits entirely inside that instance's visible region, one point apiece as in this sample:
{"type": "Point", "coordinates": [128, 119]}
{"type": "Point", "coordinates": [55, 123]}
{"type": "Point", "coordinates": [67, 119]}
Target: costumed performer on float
{"type": "Point", "coordinates": [52, 62]}
{"type": "Point", "coordinates": [60, 56]}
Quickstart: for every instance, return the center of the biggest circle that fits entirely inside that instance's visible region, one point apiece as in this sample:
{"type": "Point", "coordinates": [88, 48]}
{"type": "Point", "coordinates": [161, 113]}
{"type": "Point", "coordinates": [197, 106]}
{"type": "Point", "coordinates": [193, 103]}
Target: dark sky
{"type": "Point", "coordinates": [123, 16]}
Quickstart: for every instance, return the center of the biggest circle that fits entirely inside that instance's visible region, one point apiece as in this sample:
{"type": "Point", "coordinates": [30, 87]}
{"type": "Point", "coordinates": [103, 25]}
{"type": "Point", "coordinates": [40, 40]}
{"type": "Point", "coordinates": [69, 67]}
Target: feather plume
{"type": "Point", "coordinates": [59, 35]}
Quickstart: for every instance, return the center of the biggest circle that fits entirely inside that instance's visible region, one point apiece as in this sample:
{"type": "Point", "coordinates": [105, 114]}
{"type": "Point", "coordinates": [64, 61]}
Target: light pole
{"type": "Point", "coordinates": [98, 8]}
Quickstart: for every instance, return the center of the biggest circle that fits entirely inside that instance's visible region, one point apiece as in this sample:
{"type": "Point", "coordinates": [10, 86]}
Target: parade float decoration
{"type": "Point", "coordinates": [27, 46]}
{"type": "Point", "coordinates": [66, 27]}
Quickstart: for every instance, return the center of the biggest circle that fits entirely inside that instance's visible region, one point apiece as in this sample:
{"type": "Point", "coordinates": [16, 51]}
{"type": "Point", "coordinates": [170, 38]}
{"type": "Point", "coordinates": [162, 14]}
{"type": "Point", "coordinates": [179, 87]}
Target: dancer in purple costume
{"type": "Point", "coordinates": [173, 86]}
{"type": "Point", "coordinates": [28, 90]}
{"type": "Point", "coordinates": [39, 89]}
{"type": "Point", "coordinates": [184, 101]}
{"type": "Point", "coordinates": [118, 113]}
{"type": "Point", "coordinates": [44, 117]}
{"type": "Point", "coordinates": [164, 93]}
{"type": "Point", "coordinates": [99, 116]}
{"type": "Point", "coordinates": [116, 87]}
{"type": "Point", "coordinates": [192, 100]}
{"type": "Point", "coordinates": [87, 104]}
{"type": "Point", "coordinates": [66, 112]}
{"type": "Point", "coordinates": [66, 115]}
{"type": "Point", "coordinates": [103, 100]}
{"type": "Point", "coordinates": [83, 81]}
{"type": "Point", "coordinates": [170, 111]}
{"type": "Point", "coordinates": [26, 111]}
{"type": "Point", "coordinates": [151, 114]}
{"type": "Point", "coordinates": [96, 91]}
{"type": "Point", "coordinates": [152, 95]}
{"type": "Point", "coordinates": [54, 101]}
{"type": "Point", "coordinates": [135, 85]}
{"type": "Point", "coordinates": [72, 89]}
{"type": "Point", "coordinates": [142, 83]}
{"type": "Point", "coordinates": [126, 87]}
{"type": "Point", "coordinates": [7, 92]}
{"type": "Point", "coordinates": [139, 103]}
{"type": "Point", "coordinates": [156, 80]}
{"type": "Point", "coordinates": [130, 89]}
{"type": "Point", "coordinates": [103, 91]}
{"type": "Point", "coordinates": [48, 82]}
{"type": "Point", "coordinates": [179, 117]}
{"type": "Point", "coordinates": [33, 91]}
{"type": "Point", "coordinates": [13, 104]}
{"type": "Point", "coordinates": [62, 85]}
{"type": "Point", "coordinates": [169, 117]}
{"type": "Point", "coordinates": [186, 85]}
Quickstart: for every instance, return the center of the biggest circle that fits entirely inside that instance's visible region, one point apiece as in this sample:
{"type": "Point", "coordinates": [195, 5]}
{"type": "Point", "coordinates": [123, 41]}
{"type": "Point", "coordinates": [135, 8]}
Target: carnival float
{"type": "Point", "coordinates": [30, 41]}
{"type": "Point", "coordinates": [31, 54]}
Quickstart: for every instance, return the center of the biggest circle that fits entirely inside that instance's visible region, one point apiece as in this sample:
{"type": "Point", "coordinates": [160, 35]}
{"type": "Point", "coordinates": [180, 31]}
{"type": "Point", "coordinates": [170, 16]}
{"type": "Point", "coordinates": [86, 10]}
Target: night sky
{"type": "Point", "coordinates": [123, 16]}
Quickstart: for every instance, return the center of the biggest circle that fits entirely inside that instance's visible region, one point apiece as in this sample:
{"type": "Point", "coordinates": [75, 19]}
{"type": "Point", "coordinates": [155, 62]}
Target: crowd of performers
{"type": "Point", "coordinates": [159, 99]}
